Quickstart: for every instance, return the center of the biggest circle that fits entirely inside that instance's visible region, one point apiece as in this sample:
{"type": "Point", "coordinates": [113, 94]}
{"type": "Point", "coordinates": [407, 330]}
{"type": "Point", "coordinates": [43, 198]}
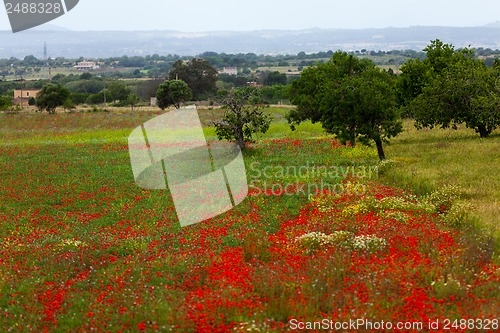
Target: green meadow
{"type": "Point", "coordinates": [420, 160]}
{"type": "Point", "coordinates": [85, 249]}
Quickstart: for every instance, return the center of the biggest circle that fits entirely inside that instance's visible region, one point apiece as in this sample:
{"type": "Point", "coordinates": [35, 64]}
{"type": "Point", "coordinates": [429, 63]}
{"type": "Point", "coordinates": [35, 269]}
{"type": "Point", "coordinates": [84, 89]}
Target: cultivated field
{"type": "Point", "coordinates": [326, 232]}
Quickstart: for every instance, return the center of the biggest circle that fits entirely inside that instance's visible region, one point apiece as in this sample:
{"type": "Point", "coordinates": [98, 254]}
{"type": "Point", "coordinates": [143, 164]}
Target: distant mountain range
{"type": "Point", "coordinates": [495, 24]}
{"type": "Point", "coordinates": [100, 44]}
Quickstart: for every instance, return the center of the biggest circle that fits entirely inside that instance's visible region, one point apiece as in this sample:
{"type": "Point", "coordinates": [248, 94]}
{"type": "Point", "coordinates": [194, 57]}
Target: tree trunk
{"type": "Point", "coordinates": [352, 140]}
{"type": "Point", "coordinates": [380, 149]}
{"type": "Point", "coordinates": [240, 140]}
{"type": "Point", "coordinates": [483, 131]}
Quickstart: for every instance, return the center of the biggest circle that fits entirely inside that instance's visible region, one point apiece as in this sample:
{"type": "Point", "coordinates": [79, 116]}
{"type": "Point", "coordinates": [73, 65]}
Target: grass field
{"type": "Point", "coordinates": [84, 249]}
{"type": "Point", "coordinates": [430, 159]}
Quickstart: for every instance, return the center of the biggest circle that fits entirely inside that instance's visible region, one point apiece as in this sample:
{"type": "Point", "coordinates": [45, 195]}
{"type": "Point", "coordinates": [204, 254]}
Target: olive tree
{"type": "Point", "coordinates": [242, 117]}
{"type": "Point", "coordinates": [351, 98]}
{"type": "Point", "coordinates": [454, 88]}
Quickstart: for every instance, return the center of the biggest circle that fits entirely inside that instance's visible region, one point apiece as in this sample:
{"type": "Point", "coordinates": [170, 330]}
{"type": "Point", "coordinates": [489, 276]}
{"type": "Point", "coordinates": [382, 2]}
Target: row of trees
{"type": "Point", "coordinates": [354, 99]}
{"type": "Point", "coordinates": [196, 74]}
{"type": "Point", "coordinates": [53, 95]}
{"type": "Point", "coordinates": [218, 60]}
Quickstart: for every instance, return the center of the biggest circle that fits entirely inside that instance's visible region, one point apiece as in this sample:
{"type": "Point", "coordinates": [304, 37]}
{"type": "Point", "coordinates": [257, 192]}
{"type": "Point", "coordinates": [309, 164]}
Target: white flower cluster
{"type": "Point", "coordinates": [368, 243]}
{"type": "Point", "coordinates": [314, 241]}
{"type": "Point", "coordinates": [387, 163]}
{"type": "Point", "coordinates": [342, 238]}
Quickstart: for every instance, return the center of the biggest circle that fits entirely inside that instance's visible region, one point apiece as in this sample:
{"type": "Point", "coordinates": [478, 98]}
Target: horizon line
{"type": "Point", "coordinates": [56, 28]}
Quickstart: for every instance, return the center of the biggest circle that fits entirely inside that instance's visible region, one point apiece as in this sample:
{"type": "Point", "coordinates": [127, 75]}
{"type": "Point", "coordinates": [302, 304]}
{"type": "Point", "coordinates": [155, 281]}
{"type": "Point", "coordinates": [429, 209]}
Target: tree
{"type": "Point", "coordinates": [242, 117]}
{"type": "Point", "coordinates": [466, 91]}
{"type": "Point", "coordinates": [78, 98]}
{"type": "Point", "coordinates": [30, 60]}
{"type": "Point", "coordinates": [275, 78]}
{"type": "Point", "coordinates": [85, 76]}
{"type": "Point", "coordinates": [439, 55]}
{"type": "Point", "coordinates": [5, 103]}
{"type": "Point", "coordinates": [350, 97]}
{"type": "Point", "coordinates": [416, 73]}
{"type": "Point", "coordinates": [172, 92]}
{"type": "Point", "coordinates": [68, 104]}
{"type": "Point", "coordinates": [51, 96]}
{"type": "Point", "coordinates": [200, 76]}
{"type": "Point", "coordinates": [95, 98]}
{"type": "Point", "coordinates": [117, 91]}
{"type": "Point", "coordinates": [276, 94]}
{"type": "Point", "coordinates": [133, 100]}
{"type": "Point", "coordinates": [376, 108]}
{"type": "Point", "coordinates": [147, 88]}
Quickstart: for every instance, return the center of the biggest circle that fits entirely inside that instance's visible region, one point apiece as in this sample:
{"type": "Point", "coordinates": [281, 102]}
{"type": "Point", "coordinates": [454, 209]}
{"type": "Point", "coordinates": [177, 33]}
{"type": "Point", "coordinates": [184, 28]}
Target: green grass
{"type": "Point", "coordinates": [68, 188]}
{"type": "Point", "coordinates": [427, 160]}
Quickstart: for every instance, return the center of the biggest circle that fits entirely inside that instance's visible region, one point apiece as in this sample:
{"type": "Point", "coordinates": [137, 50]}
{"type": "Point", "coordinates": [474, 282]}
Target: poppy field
{"type": "Point", "coordinates": [321, 243]}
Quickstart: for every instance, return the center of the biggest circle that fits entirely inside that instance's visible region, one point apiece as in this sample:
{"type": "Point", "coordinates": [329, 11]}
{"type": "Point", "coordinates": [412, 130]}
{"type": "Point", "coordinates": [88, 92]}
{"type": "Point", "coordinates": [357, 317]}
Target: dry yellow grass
{"type": "Point", "coordinates": [429, 159]}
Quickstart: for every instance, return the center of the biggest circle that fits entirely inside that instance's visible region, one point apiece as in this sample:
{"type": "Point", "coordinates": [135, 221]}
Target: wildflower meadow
{"type": "Point", "coordinates": [323, 242]}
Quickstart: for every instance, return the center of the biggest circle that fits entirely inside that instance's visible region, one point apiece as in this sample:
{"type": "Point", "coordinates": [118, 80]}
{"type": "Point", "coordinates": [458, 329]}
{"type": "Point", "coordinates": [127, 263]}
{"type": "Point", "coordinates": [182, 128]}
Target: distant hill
{"type": "Point", "coordinates": [96, 44]}
{"type": "Point", "coordinates": [495, 24]}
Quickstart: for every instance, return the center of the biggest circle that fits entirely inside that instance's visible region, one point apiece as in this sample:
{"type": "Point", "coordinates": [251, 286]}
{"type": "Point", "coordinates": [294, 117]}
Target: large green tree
{"type": "Point", "coordinates": [51, 96]}
{"type": "Point", "coordinates": [172, 92]}
{"type": "Point", "coordinates": [243, 115]}
{"type": "Point", "coordinates": [198, 74]}
{"type": "Point", "coordinates": [458, 88]}
{"type": "Point", "coordinates": [352, 98]}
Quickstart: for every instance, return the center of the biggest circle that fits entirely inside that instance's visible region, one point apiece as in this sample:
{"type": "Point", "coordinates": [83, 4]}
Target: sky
{"type": "Point", "coordinates": [234, 15]}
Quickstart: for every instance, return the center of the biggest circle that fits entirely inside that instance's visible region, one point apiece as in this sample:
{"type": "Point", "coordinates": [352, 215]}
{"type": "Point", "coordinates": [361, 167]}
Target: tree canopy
{"type": "Point", "coordinates": [51, 96]}
{"type": "Point", "coordinates": [275, 78]}
{"type": "Point", "coordinates": [242, 117]}
{"type": "Point", "coordinates": [117, 91]}
{"type": "Point", "coordinates": [5, 103]}
{"type": "Point", "coordinates": [351, 97]}
{"type": "Point", "coordinates": [451, 87]}
{"type": "Point", "coordinates": [199, 75]}
{"type": "Point", "coordinates": [172, 92]}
